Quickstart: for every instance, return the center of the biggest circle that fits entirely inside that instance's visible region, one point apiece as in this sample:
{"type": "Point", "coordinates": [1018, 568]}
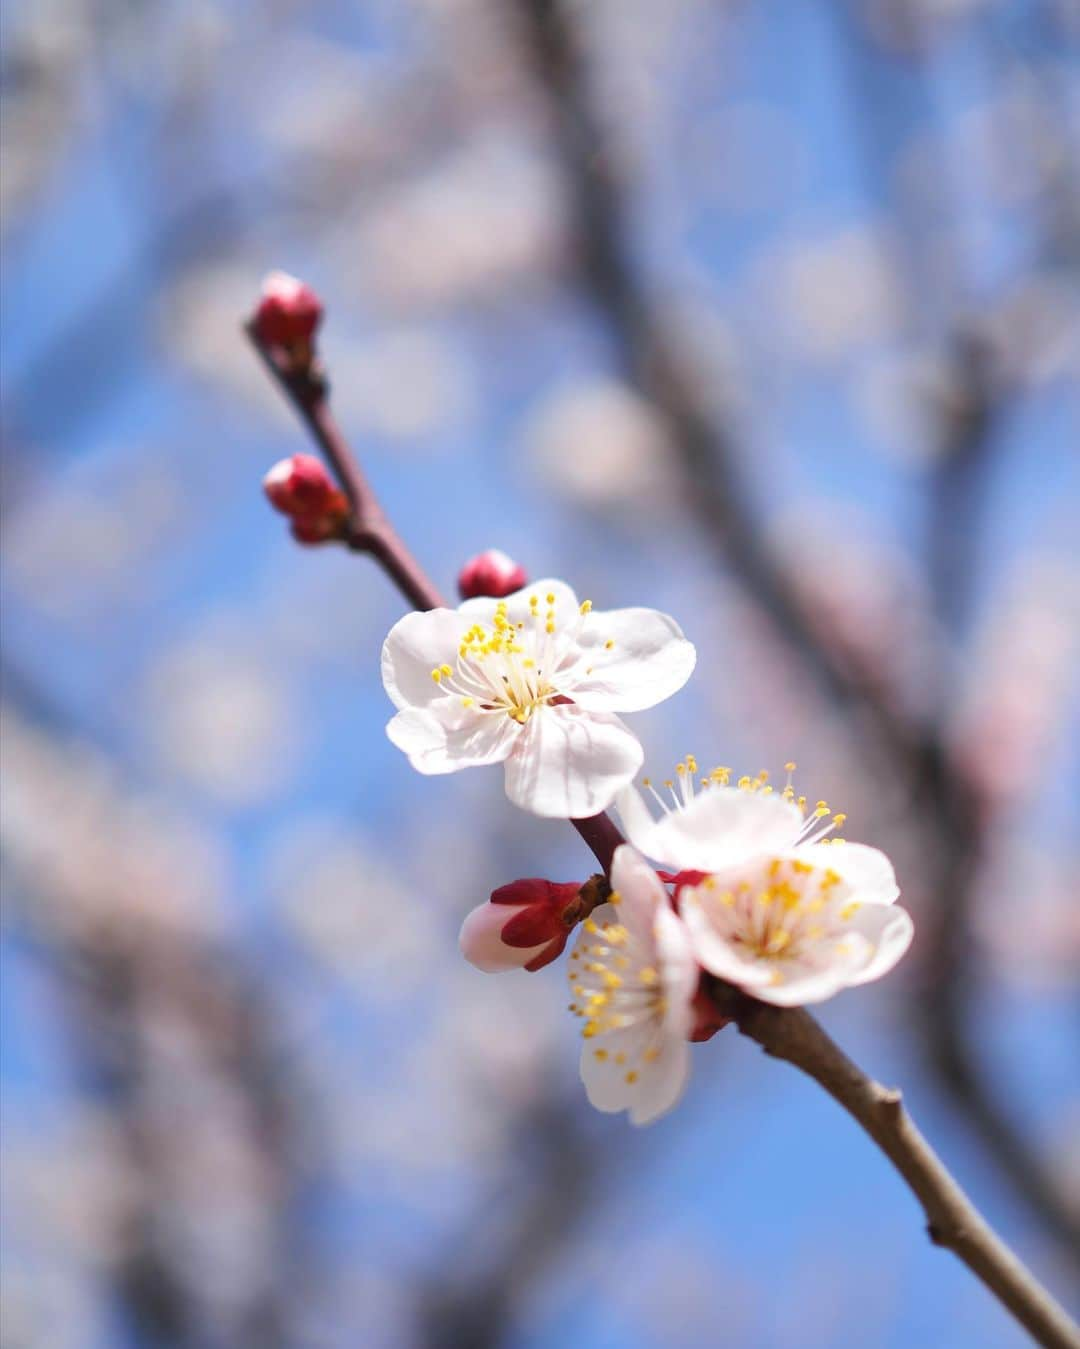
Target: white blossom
{"type": "Point", "coordinates": [532, 681]}
{"type": "Point", "coordinates": [633, 978]}
{"type": "Point", "coordinates": [783, 911]}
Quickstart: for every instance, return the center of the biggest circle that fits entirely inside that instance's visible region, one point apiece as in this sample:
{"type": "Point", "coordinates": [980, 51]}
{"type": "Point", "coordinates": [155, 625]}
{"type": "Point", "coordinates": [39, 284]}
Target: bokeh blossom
{"type": "Point", "coordinates": [533, 682]}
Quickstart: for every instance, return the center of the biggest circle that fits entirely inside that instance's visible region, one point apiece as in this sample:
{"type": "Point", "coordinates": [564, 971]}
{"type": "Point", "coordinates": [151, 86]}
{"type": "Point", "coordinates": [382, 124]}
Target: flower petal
{"type": "Point", "coordinates": [630, 659]}
{"type": "Point", "coordinates": [678, 970]}
{"type": "Point", "coordinates": [444, 738]}
{"type": "Point", "coordinates": [481, 941]}
{"type": "Point", "coordinates": [889, 931]}
{"type": "Point", "coordinates": [662, 1082]}
{"type": "Point", "coordinates": [866, 871]}
{"type": "Point", "coordinates": [798, 985]}
{"type": "Point", "coordinates": [657, 1085]}
{"type": "Point", "coordinates": [569, 763]}
{"type": "Point", "coordinates": [604, 1078]}
{"type": "Point", "coordinates": [415, 645]}
{"type": "Point", "coordinates": [720, 828]}
{"type": "Point", "coordinates": [640, 890]}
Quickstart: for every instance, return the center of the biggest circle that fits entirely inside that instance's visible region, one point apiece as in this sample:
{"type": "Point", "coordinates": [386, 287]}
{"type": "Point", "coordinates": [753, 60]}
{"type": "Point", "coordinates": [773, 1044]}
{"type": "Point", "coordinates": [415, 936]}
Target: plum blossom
{"type": "Point", "coordinates": [532, 681]}
{"type": "Point", "coordinates": [772, 904]}
{"type": "Point", "coordinates": [633, 977]}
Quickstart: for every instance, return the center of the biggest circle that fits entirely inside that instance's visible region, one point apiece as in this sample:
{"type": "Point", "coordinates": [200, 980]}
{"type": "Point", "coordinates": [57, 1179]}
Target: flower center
{"type": "Point", "coordinates": [780, 907]}
{"type": "Point", "coordinates": [513, 668]}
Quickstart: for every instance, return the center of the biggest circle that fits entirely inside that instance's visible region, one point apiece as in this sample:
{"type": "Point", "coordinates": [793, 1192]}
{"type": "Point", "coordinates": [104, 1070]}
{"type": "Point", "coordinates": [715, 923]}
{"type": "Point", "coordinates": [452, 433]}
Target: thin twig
{"type": "Point", "coordinates": [793, 1034]}
{"type": "Point", "coordinates": [942, 800]}
{"type": "Point", "coordinates": [306, 387]}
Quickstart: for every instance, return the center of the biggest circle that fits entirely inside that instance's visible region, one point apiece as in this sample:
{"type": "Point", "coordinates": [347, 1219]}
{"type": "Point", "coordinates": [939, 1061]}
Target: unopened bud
{"type": "Point", "coordinates": [301, 485]}
{"type": "Point", "coordinates": [490, 574]}
{"type": "Point", "coordinates": [525, 925]}
{"type": "Point", "coordinates": [288, 313]}
{"type": "Point", "coordinates": [301, 488]}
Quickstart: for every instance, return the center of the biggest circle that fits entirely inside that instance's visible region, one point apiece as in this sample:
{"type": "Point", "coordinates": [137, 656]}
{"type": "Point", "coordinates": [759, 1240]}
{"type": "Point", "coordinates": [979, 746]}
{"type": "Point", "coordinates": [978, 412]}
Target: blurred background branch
{"type": "Point", "coordinates": [706, 441]}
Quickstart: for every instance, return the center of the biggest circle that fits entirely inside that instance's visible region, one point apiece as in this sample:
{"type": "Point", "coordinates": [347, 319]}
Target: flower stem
{"type": "Point", "coordinates": [784, 1033]}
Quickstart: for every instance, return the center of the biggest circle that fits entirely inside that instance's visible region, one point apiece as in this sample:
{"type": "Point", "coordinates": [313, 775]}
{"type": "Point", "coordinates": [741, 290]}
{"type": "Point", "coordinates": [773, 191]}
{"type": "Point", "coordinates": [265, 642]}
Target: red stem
{"type": "Point", "coordinates": [302, 380]}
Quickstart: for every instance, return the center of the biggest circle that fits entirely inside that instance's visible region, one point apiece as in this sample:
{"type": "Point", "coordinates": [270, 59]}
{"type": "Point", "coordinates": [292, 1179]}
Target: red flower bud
{"type": "Point", "coordinates": [302, 489]}
{"type": "Point", "coordinates": [525, 924]}
{"type": "Point", "coordinates": [301, 485]}
{"type": "Point", "coordinates": [490, 574]}
{"type": "Point", "coordinates": [288, 313]}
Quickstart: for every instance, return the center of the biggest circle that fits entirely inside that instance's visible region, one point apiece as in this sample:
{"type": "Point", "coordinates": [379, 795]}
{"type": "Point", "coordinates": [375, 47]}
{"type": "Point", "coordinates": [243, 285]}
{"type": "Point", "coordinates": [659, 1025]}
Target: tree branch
{"type": "Point", "coordinates": [790, 1034]}
{"type": "Point", "coordinates": [952, 1220]}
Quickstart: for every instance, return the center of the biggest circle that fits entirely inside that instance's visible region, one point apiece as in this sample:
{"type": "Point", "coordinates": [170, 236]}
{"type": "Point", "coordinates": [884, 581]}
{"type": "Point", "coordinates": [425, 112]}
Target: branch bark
{"type": "Point", "coordinates": [952, 1221]}
{"type": "Point", "coordinates": [790, 1034]}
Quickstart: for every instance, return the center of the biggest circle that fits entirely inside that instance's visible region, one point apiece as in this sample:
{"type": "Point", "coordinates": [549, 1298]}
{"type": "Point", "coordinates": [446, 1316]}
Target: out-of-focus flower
{"type": "Point", "coordinates": [601, 445]}
{"type": "Point", "coordinates": [288, 313]}
{"type": "Point", "coordinates": [484, 220]}
{"type": "Point", "coordinates": [785, 913]}
{"type": "Point", "coordinates": [1022, 676]}
{"type": "Point", "coordinates": [633, 977]}
{"type": "Point", "coordinates": [492, 574]}
{"type": "Point", "coordinates": [524, 925]}
{"type": "Point", "coordinates": [220, 716]}
{"type": "Point", "coordinates": [301, 488]}
{"type": "Point", "coordinates": [832, 295]}
{"type": "Point", "coordinates": [533, 682]}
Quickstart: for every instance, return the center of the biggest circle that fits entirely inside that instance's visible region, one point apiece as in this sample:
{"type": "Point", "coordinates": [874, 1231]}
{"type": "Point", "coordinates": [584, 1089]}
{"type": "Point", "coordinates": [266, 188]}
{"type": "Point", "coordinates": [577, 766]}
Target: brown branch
{"type": "Point", "coordinates": [304, 384]}
{"type": "Point", "coordinates": [790, 1034]}
{"type": "Point", "coordinates": [706, 450]}
{"type": "Point", "coordinates": [952, 1220]}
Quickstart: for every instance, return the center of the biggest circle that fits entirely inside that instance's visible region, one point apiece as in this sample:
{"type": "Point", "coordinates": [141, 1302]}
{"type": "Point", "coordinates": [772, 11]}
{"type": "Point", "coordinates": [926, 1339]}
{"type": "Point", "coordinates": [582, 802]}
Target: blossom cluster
{"type": "Point", "coordinates": [718, 880]}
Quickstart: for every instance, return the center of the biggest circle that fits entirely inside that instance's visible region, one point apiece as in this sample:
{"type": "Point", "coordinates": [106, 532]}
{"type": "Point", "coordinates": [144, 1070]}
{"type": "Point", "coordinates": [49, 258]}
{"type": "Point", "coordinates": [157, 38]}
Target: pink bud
{"type": "Point", "coordinates": [288, 313]}
{"type": "Point", "coordinates": [490, 574]}
{"type": "Point", "coordinates": [525, 925]}
{"type": "Point", "coordinates": [302, 489]}
{"type": "Point", "coordinates": [301, 485]}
